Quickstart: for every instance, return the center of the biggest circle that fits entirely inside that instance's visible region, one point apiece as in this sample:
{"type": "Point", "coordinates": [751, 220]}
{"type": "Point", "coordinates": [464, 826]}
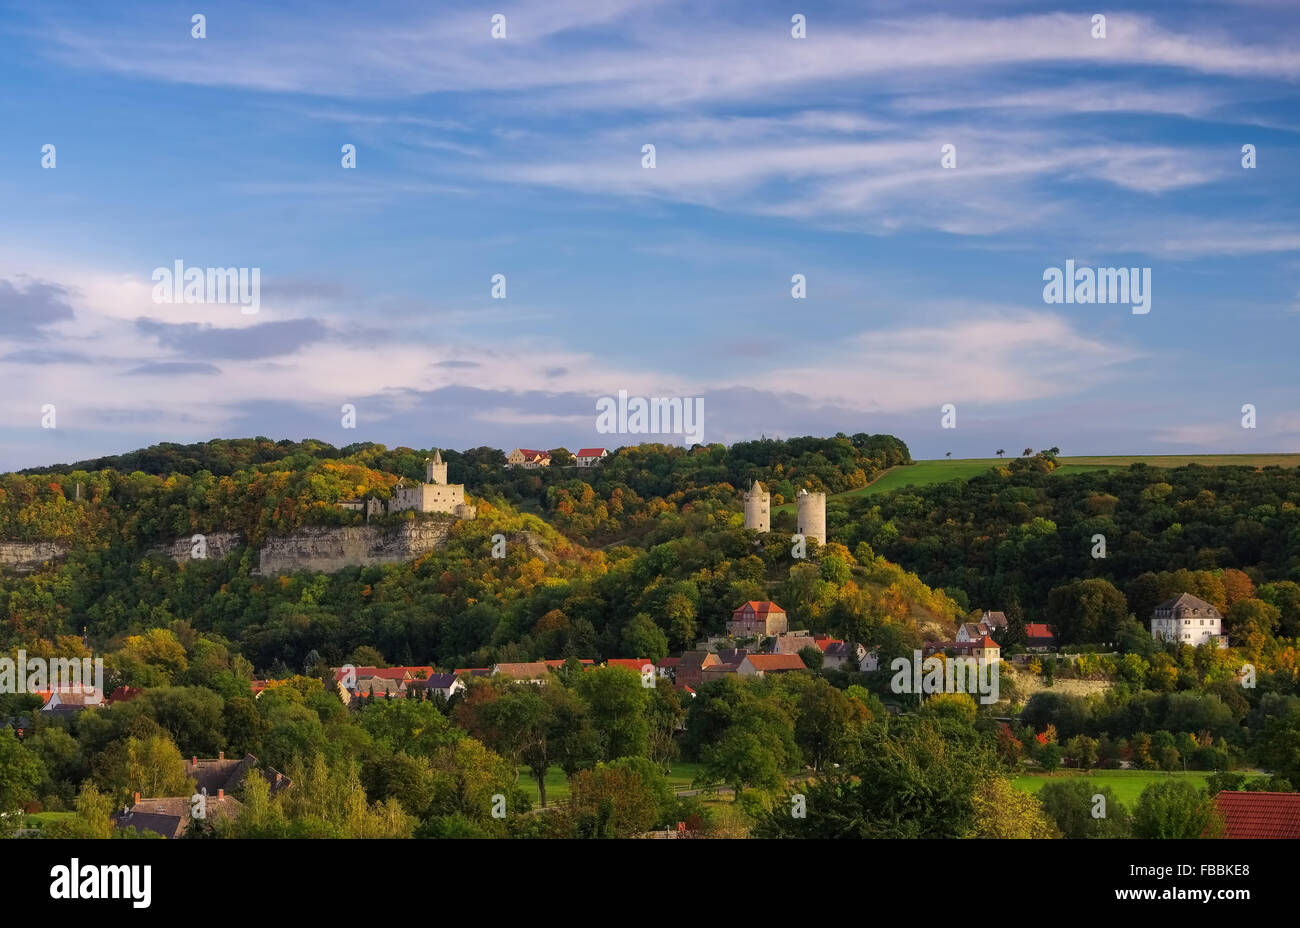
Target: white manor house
{"type": "Point", "coordinates": [1189, 620]}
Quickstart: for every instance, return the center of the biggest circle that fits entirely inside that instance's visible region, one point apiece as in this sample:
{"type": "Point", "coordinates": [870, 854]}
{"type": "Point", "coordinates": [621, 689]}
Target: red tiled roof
{"type": "Point", "coordinates": [669, 662]}
{"type": "Point", "coordinates": [589, 452]}
{"type": "Point", "coordinates": [1038, 630]}
{"type": "Point", "coordinates": [767, 662]}
{"type": "Point", "coordinates": [631, 663]}
{"type": "Point", "coordinates": [760, 608]}
{"type": "Point", "coordinates": [987, 642]}
{"type": "Point", "coordinates": [560, 662]}
{"type": "Point", "coordinates": [1259, 815]}
{"type": "Point", "coordinates": [823, 642]}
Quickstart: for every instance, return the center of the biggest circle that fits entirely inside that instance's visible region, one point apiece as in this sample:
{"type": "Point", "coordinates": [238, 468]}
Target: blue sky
{"type": "Point", "coordinates": [775, 156]}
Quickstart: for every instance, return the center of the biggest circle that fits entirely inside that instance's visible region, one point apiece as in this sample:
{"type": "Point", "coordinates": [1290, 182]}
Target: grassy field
{"type": "Point", "coordinates": [1127, 784]}
{"type": "Point", "coordinates": [924, 473]}
{"type": "Point", "coordinates": [557, 785]}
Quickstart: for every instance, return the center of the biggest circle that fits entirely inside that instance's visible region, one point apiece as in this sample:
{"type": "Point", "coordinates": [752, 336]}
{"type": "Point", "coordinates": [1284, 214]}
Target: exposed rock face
{"type": "Point", "coordinates": [23, 557]}
{"type": "Point", "coordinates": [322, 549]}
{"type": "Point", "coordinates": [330, 549]}
{"type": "Point", "coordinates": [218, 545]}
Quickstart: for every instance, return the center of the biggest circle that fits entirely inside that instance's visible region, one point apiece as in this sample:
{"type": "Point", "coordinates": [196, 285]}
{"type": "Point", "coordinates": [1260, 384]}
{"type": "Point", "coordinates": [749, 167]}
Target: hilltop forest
{"type": "Point", "coordinates": [644, 556]}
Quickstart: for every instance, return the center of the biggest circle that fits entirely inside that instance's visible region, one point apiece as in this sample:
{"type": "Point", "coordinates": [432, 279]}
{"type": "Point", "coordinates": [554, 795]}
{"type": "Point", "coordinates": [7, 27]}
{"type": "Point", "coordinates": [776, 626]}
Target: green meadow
{"type": "Point", "coordinates": [924, 473]}
{"type": "Point", "coordinates": [1127, 784]}
{"type": "Point", "coordinates": [557, 784]}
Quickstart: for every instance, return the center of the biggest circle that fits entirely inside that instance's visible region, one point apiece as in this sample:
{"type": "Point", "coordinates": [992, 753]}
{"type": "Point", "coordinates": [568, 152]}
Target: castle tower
{"type": "Point", "coordinates": [812, 515]}
{"type": "Point", "coordinates": [758, 508]}
{"type": "Point", "coordinates": [435, 471]}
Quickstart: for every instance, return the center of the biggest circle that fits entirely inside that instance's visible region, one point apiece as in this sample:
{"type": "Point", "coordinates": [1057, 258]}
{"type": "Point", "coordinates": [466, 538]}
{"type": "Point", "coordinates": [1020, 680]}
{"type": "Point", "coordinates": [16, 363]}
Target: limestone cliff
{"type": "Point", "coordinates": [218, 545]}
{"type": "Point", "coordinates": [23, 557]}
{"type": "Point", "coordinates": [321, 549]}
{"type": "Point", "coordinates": [330, 549]}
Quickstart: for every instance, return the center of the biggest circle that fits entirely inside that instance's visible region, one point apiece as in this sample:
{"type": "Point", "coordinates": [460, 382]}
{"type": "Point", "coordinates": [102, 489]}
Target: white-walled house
{"type": "Point", "coordinates": [1188, 619]}
{"type": "Point", "coordinates": [587, 457]}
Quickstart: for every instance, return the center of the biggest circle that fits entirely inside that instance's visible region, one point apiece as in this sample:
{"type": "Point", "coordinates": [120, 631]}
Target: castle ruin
{"type": "Point", "coordinates": [758, 509]}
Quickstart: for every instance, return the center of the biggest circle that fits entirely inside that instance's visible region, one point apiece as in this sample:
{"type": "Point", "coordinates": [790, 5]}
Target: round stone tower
{"type": "Point", "coordinates": [758, 508]}
{"type": "Point", "coordinates": [812, 515]}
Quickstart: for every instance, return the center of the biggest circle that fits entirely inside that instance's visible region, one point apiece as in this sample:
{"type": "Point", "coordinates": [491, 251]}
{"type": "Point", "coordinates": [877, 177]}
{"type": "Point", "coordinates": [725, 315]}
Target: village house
{"type": "Point", "coordinates": [73, 697]}
{"type": "Point", "coordinates": [635, 664]}
{"type": "Point", "coordinates": [691, 666]}
{"type": "Point", "coordinates": [718, 671]}
{"type": "Point", "coordinates": [758, 619]}
{"type": "Point", "coordinates": [215, 775]}
{"type": "Point", "coordinates": [587, 457]}
{"type": "Point", "coordinates": [759, 665]}
{"type": "Point", "coordinates": [377, 681]}
{"type": "Point", "coordinates": [667, 668]}
{"type": "Point", "coordinates": [555, 664]}
{"type": "Point", "coordinates": [123, 694]}
{"type": "Point", "coordinates": [983, 649]}
{"type": "Point", "coordinates": [529, 672]}
{"type": "Point", "coordinates": [1039, 637]}
{"type": "Point", "coordinates": [792, 644]}
{"type": "Point", "coordinates": [837, 653]}
{"type": "Point", "coordinates": [528, 458]}
{"type": "Point", "coordinates": [170, 816]}
{"type": "Point", "coordinates": [1189, 620]}
{"type": "Point", "coordinates": [994, 622]}
{"type": "Point", "coordinates": [969, 631]}
{"type": "Point", "coordinates": [445, 685]}
{"type": "Point", "coordinates": [991, 623]}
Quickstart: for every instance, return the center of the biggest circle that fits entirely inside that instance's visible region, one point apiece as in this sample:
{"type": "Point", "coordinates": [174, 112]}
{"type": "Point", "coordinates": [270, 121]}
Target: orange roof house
{"type": "Point", "coordinates": [758, 618]}
{"type": "Point", "coordinates": [758, 665]}
{"type": "Point", "coordinates": [634, 664]}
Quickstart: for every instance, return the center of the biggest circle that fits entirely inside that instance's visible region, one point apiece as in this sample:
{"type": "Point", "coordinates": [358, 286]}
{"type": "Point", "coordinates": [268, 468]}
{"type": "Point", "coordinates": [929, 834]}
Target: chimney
{"type": "Point", "coordinates": [221, 755]}
{"type": "Point", "coordinates": [221, 794]}
{"type": "Point", "coordinates": [137, 798]}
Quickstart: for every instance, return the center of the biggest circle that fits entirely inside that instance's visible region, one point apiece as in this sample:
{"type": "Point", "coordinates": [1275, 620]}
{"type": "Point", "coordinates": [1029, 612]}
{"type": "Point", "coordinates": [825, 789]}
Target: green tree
{"type": "Point", "coordinates": [1174, 808]}
{"type": "Point", "coordinates": [1072, 805]}
{"type": "Point", "coordinates": [618, 703]}
{"type": "Point", "coordinates": [1086, 611]}
{"type": "Point", "coordinates": [643, 638]}
{"type": "Point", "coordinates": [1002, 811]}
{"type": "Point", "coordinates": [20, 772]}
{"type": "Point", "coordinates": [913, 778]}
{"type": "Point", "coordinates": [827, 723]}
{"type": "Point", "coordinates": [611, 802]}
